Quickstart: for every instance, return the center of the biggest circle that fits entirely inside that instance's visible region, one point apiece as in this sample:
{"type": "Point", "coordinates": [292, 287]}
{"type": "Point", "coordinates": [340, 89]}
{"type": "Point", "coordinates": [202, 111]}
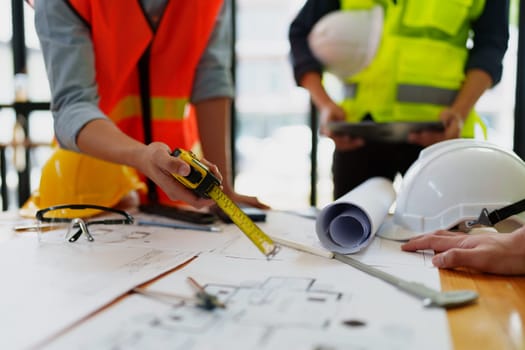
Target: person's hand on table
{"type": "Point", "coordinates": [331, 112]}
{"type": "Point", "coordinates": [244, 200]}
{"type": "Point", "coordinates": [157, 163]}
{"type": "Point", "coordinates": [453, 124]}
{"type": "Point", "coordinates": [498, 253]}
{"type": "Point", "coordinates": [240, 200]}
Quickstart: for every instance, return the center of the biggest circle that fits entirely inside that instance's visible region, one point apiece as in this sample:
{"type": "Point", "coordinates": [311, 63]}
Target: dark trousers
{"type": "Point", "coordinates": [350, 169]}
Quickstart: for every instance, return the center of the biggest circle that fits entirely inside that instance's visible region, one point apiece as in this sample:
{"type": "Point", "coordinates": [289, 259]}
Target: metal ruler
{"type": "Point", "coordinates": [431, 297]}
{"type": "Point", "coordinates": [205, 184]}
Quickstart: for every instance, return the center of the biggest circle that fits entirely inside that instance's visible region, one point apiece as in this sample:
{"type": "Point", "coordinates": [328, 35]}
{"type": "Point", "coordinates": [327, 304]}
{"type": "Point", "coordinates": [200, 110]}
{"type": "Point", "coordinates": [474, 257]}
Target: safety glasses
{"type": "Point", "coordinates": [76, 218]}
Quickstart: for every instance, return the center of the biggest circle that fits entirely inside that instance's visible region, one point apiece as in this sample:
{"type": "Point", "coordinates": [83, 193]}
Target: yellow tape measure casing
{"type": "Point", "coordinates": [206, 185]}
{"type": "Point", "coordinates": [200, 179]}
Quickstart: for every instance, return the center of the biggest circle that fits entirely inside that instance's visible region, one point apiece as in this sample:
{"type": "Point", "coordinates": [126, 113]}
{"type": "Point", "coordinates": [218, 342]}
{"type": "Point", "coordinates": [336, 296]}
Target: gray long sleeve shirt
{"type": "Point", "coordinates": [69, 58]}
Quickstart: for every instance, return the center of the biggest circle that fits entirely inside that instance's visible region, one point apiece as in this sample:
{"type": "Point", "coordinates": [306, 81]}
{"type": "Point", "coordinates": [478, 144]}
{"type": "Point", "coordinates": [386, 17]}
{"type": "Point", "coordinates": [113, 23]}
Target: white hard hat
{"type": "Point", "coordinates": [346, 41]}
{"type": "Point", "coordinates": [453, 181]}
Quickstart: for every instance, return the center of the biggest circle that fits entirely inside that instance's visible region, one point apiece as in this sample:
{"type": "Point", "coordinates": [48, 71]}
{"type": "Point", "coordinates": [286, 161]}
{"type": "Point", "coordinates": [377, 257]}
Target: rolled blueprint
{"type": "Point", "coordinates": [349, 224]}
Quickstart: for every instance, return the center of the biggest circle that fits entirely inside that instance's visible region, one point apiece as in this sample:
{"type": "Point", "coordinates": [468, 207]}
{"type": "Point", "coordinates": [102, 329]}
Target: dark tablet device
{"type": "Point", "coordinates": [195, 217]}
{"type": "Point", "coordinates": [383, 132]}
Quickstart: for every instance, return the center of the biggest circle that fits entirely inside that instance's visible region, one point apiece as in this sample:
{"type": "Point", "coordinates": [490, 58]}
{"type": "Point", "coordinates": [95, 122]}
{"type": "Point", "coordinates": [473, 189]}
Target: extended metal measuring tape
{"type": "Point", "coordinates": [206, 185]}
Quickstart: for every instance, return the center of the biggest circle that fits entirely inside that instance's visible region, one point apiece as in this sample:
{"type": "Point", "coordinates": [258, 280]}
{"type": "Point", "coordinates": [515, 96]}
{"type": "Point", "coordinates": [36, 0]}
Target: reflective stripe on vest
{"type": "Point", "coordinates": [121, 34]}
{"type": "Point", "coordinates": [419, 66]}
{"type": "Point", "coordinates": [163, 108]}
{"type": "Point", "coordinates": [413, 94]}
{"type": "Point", "coordinates": [425, 94]}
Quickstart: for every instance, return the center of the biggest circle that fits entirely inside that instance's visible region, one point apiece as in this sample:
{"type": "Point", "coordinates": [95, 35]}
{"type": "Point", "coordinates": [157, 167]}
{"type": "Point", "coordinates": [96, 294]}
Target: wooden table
{"type": "Point", "coordinates": [496, 320]}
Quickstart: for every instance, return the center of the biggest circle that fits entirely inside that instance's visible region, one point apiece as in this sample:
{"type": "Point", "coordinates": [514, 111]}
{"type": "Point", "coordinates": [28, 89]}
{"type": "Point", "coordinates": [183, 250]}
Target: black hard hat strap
{"type": "Point", "coordinates": [507, 211]}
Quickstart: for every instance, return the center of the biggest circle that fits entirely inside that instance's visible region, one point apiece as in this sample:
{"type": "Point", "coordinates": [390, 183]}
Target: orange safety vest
{"type": "Point", "coordinates": [122, 37]}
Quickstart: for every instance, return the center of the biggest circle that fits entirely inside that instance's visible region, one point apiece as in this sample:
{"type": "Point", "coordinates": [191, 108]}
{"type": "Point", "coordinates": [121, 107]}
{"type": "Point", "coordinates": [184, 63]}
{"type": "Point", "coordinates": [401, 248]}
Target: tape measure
{"type": "Point", "coordinates": [206, 185]}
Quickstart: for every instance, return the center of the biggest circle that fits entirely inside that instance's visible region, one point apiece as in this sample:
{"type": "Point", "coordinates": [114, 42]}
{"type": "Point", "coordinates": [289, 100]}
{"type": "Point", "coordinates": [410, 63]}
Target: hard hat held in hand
{"type": "Point", "coordinates": [73, 178]}
{"type": "Point", "coordinates": [347, 41]}
{"type": "Point", "coordinates": [452, 181]}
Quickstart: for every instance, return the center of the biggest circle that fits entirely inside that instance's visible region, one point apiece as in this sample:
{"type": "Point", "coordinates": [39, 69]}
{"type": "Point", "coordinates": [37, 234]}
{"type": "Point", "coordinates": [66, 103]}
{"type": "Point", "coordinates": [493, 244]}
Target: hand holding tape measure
{"type": "Point", "coordinates": [206, 185]}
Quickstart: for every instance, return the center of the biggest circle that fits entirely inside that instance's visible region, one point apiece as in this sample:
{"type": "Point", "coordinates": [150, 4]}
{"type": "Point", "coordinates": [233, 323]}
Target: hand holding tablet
{"type": "Point", "coordinates": [383, 132]}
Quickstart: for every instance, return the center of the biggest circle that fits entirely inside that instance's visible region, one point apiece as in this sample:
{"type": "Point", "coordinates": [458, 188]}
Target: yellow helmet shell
{"type": "Point", "coordinates": [73, 178]}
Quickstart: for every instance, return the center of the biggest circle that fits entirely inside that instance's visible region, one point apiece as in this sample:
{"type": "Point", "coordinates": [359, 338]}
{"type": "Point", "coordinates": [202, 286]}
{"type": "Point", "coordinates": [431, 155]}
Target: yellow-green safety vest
{"type": "Point", "coordinates": [419, 65]}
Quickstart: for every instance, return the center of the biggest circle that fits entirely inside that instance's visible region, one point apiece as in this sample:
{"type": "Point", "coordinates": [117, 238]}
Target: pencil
{"type": "Point", "coordinates": [179, 226]}
{"type": "Point", "coordinates": [304, 248]}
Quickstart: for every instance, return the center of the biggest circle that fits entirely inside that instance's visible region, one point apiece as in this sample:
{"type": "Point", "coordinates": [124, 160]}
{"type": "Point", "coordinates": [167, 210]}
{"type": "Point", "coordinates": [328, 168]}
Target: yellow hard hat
{"type": "Point", "coordinates": [74, 178]}
{"type": "Point", "coordinates": [346, 41]}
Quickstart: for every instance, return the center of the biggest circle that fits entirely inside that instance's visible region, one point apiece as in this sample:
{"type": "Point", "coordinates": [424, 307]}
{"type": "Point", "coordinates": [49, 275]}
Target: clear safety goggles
{"type": "Point", "coordinates": [70, 221]}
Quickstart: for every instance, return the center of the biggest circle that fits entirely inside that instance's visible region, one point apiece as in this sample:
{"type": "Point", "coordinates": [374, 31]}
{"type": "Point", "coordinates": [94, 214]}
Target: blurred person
{"type": "Point", "coordinates": [133, 80]}
{"type": "Point", "coordinates": [424, 70]}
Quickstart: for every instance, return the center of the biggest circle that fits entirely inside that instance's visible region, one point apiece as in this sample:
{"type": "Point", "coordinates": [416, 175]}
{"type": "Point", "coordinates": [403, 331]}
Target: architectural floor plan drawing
{"type": "Point", "coordinates": [296, 300]}
{"type": "Point", "coordinates": [287, 310]}
{"type": "Point", "coordinates": [259, 316]}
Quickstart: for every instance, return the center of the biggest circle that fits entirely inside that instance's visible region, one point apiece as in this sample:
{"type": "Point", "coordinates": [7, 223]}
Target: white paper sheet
{"type": "Point", "coordinates": [307, 302]}
{"type": "Point", "coordinates": [52, 288]}
{"type": "Point", "coordinates": [348, 225]}
{"type": "Point", "coordinates": [48, 287]}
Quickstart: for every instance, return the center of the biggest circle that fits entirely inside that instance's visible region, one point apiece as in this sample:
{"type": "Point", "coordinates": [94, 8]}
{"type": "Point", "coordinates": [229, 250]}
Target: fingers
{"type": "Point", "coordinates": [158, 155]}
{"type": "Point", "coordinates": [347, 143]}
{"type": "Point", "coordinates": [438, 242]}
{"type": "Point", "coordinates": [177, 191]}
{"type": "Point", "coordinates": [160, 166]}
{"type": "Point", "coordinates": [213, 168]}
{"type": "Point", "coordinates": [241, 199]}
{"type": "Point", "coordinates": [426, 138]}
{"type": "Point", "coordinates": [330, 113]}
{"type": "Point", "coordinates": [453, 249]}
{"type": "Point", "coordinates": [449, 233]}
{"type": "Point", "coordinates": [453, 123]}
{"type": "Point", "coordinates": [470, 258]}
{"type": "Point", "coordinates": [439, 232]}
{"type": "Point", "coordinates": [251, 201]}
{"type": "Point", "coordinates": [177, 166]}
{"type": "Point", "coordinates": [448, 255]}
